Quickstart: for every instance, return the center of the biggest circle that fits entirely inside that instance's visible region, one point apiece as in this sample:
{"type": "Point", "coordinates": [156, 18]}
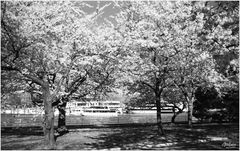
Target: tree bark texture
{"type": "Point", "coordinates": [190, 111]}
{"type": "Point", "coordinates": [48, 127]}
{"type": "Point", "coordinates": [159, 118]}
{"type": "Point", "coordinates": [62, 118]}
{"type": "Point", "coordinates": [174, 117]}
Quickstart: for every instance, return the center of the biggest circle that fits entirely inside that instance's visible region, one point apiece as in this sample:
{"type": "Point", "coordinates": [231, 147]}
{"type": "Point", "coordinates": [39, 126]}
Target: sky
{"type": "Point", "coordinates": [109, 10]}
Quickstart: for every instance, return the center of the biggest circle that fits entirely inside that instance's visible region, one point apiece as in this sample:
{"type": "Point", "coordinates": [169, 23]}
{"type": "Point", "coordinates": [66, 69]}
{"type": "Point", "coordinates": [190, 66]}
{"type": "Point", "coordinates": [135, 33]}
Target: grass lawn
{"type": "Point", "coordinates": [202, 137]}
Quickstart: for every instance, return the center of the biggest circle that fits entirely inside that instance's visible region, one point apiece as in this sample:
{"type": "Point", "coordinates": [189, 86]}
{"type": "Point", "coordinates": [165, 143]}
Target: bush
{"type": "Point", "coordinates": [206, 98]}
{"type": "Point", "coordinates": [208, 106]}
{"type": "Point", "coordinates": [231, 102]}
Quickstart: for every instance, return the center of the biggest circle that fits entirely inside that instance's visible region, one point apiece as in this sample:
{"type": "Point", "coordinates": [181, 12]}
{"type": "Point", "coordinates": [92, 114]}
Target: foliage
{"type": "Point", "coordinates": [220, 37]}
{"type": "Point", "coordinates": [231, 103]}
{"type": "Point", "coordinates": [210, 105]}
{"type": "Point", "coordinates": [14, 100]}
{"type": "Point", "coordinates": [175, 97]}
{"type": "Point", "coordinates": [67, 55]}
{"type": "Point", "coordinates": [140, 96]}
{"type": "Point", "coordinates": [206, 98]}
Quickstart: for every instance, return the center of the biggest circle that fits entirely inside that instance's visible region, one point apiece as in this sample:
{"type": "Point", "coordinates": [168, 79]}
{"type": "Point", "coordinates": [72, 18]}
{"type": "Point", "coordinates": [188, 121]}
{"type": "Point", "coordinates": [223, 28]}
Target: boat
{"type": "Point", "coordinates": [94, 108]}
{"type": "Point", "coordinates": [95, 111]}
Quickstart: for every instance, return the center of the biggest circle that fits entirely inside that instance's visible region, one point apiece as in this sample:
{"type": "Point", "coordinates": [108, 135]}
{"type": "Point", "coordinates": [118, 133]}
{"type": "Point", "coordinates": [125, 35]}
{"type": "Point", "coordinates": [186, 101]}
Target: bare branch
{"type": "Point", "coordinates": [149, 85]}
{"type": "Point", "coordinates": [102, 82]}
{"type": "Point", "coordinates": [34, 79]}
{"type": "Point", "coordinates": [76, 85]}
{"type": "Point", "coordinates": [9, 68]}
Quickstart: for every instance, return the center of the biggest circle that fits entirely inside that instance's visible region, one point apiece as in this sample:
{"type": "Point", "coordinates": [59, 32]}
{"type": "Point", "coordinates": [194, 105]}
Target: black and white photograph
{"type": "Point", "coordinates": [119, 75]}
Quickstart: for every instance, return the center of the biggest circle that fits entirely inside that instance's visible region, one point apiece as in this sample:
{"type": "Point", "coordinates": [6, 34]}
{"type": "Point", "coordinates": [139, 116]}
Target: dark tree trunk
{"type": "Point", "coordinates": [62, 118]}
{"type": "Point", "coordinates": [159, 118]}
{"type": "Point", "coordinates": [190, 111]}
{"type": "Point", "coordinates": [48, 127]}
{"type": "Point", "coordinates": [175, 115]}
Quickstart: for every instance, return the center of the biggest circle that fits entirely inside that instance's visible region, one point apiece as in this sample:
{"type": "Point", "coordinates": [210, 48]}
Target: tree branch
{"type": "Point", "coordinates": [76, 85]}
{"type": "Point", "coordinates": [102, 82]}
{"type": "Point", "coordinates": [34, 79]}
{"type": "Point", "coordinates": [9, 68]}
{"type": "Point", "coordinates": [149, 85]}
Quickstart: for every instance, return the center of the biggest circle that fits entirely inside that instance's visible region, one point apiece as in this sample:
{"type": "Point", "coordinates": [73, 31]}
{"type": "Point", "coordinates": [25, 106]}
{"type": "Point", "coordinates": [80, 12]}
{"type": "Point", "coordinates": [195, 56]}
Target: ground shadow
{"type": "Point", "coordinates": [131, 138]}
{"type": "Point", "coordinates": [22, 131]}
{"type": "Point", "coordinates": [147, 138]}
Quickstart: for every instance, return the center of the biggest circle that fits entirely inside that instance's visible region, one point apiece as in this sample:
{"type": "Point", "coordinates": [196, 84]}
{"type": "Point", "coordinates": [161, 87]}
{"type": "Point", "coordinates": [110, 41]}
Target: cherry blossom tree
{"type": "Point", "coordinates": [163, 48]}
{"type": "Point", "coordinates": [52, 46]}
{"type": "Point", "coordinates": [155, 35]}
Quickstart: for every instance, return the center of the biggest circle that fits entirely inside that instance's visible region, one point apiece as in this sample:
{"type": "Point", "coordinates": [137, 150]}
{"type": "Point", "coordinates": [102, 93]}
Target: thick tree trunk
{"type": "Point", "coordinates": [159, 118]}
{"type": "Point", "coordinates": [48, 119]}
{"type": "Point", "coordinates": [190, 111]}
{"type": "Point", "coordinates": [62, 129]}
